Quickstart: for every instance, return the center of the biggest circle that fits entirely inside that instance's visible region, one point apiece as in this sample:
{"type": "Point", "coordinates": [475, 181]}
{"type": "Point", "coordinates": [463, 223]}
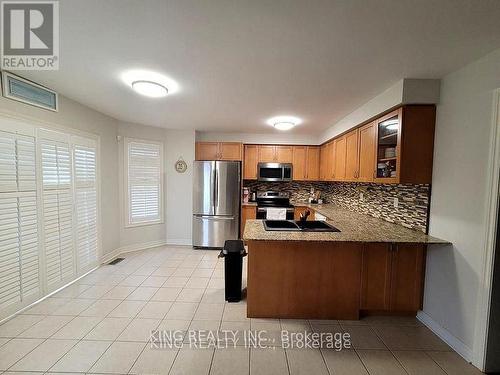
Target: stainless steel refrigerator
{"type": "Point", "coordinates": [216, 203]}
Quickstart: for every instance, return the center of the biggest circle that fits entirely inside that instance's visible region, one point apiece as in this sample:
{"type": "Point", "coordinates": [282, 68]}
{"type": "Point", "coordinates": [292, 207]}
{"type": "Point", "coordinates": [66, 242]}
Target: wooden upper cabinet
{"type": "Point", "coordinates": [306, 163]}
{"type": "Point", "coordinates": [366, 170]}
{"type": "Point", "coordinates": [339, 158]}
{"type": "Point", "coordinates": [219, 151]}
{"type": "Point", "coordinates": [230, 151]}
{"type": "Point", "coordinates": [405, 145]}
{"type": "Point", "coordinates": [207, 150]}
{"type": "Point", "coordinates": [351, 156]}
{"type": "Point", "coordinates": [312, 164]}
{"type": "Point", "coordinates": [267, 153]}
{"type": "Point", "coordinates": [299, 162]}
{"type": "Point", "coordinates": [326, 161]}
{"type": "Point", "coordinates": [284, 154]}
{"type": "Point", "coordinates": [250, 160]}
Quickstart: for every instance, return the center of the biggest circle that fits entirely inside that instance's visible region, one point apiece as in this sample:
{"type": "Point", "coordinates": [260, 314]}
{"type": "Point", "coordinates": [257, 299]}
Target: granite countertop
{"type": "Point", "coordinates": [353, 226]}
{"type": "Point", "coordinates": [249, 203]}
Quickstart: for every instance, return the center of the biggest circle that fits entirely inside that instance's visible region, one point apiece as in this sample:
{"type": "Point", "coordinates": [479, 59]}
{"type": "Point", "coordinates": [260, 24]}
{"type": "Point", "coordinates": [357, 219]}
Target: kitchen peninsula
{"type": "Point", "coordinates": [370, 267]}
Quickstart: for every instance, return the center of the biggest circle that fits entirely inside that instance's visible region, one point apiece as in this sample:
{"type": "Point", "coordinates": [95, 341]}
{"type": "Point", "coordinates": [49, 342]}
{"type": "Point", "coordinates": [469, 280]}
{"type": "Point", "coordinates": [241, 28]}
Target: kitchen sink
{"type": "Point", "coordinates": [299, 226]}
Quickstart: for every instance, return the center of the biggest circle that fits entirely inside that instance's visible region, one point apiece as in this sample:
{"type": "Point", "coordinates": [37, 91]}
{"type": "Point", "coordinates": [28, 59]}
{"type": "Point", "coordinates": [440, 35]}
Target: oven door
{"type": "Point", "coordinates": [270, 172]}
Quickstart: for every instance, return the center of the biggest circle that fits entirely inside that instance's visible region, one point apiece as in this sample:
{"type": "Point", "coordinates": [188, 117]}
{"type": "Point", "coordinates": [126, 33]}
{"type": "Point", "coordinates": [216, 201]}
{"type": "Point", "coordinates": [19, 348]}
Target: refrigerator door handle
{"type": "Point", "coordinates": [216, 187]}
{"type": "Point", "coordinates": [211, 217]}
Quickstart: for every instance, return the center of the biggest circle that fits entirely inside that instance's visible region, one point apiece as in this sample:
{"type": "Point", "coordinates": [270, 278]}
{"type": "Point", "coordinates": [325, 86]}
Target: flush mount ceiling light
{"type": "Point", "coordinates": [284, 122]}
{"type": "Point", "coordinates": [151, 89]}
{"type": "Point", "coordinates": [151, 84]}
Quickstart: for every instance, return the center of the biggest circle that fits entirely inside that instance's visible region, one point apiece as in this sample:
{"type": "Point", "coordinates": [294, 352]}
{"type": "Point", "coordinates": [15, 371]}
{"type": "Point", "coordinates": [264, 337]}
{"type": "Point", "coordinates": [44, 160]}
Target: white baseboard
{"type": "Point", "coordinates": [446, 336]}
{"type": "Point", "coordinates": [180, 241]}
{"type": "Point", "coordinates": [130, 248]}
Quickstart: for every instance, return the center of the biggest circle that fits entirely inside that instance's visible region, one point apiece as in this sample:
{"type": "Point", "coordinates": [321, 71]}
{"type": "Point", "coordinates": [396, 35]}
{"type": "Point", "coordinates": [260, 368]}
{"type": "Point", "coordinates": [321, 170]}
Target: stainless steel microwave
{"type": "Point", "coordinates": [274, 171]}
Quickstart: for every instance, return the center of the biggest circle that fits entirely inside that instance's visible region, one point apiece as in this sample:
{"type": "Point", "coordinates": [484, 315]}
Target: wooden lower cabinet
{"type": "Point", "coordinates": [301, 209]}
{"type": "Point", "coordinates": [392, 278]}
{"type": "Point", "coordinates": [247, 213]}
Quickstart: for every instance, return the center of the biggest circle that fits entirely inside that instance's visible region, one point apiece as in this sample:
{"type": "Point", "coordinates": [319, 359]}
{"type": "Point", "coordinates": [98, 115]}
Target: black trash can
{"type": "Point", "coordinates": [233, 253]}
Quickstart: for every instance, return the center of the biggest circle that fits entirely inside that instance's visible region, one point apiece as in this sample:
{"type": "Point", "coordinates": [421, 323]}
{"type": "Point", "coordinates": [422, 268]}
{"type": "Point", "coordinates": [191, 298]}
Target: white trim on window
{"type": "Point", "coordinates": [144, 182]}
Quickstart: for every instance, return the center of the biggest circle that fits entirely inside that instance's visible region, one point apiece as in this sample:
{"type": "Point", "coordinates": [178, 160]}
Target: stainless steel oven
{"type": "Point", "coordinates": [274, 171]}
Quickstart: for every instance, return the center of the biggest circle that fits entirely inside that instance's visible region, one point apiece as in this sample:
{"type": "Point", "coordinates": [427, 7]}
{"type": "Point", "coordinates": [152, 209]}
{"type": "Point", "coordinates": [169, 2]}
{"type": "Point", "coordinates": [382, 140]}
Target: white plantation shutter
{"type": "Point", "coordinates": [58, 212]}
{"type": "Point", "coordinates": [19, 256]}
{"type": "Point", "coordinates": [86, 205]}
{"type": "Point", "coordinates": [144, 163]}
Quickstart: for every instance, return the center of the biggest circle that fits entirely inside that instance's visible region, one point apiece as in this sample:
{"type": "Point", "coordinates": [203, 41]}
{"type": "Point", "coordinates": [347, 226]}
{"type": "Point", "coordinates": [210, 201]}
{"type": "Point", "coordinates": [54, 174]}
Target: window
{"type": "Point", "coordinates": [49, 210]}
{"type": "Point", "coordinates": [143, 166]}
{"type": "Point", "coordinates": [19, 252]}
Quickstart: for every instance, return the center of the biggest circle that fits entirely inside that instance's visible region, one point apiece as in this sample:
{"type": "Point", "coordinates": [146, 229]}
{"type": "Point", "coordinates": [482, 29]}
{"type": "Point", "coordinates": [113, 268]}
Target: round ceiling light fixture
{"type": "Point", "coordinates": [150, 84]}
{"type": "Point", "coordinates": [151, 89]}
{"type": "Point", "coordinates": [284, 122]}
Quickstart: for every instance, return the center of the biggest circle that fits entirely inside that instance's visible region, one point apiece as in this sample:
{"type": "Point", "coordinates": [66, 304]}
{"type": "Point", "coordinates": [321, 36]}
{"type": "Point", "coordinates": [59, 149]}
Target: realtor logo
{"type": "Point", "coordinates": [30, 35]}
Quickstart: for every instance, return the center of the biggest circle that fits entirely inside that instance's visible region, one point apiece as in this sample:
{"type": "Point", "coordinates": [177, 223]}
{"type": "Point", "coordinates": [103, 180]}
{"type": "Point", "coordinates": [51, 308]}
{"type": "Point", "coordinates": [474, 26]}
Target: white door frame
{"type": "Point", "coordinates": [492, 207]}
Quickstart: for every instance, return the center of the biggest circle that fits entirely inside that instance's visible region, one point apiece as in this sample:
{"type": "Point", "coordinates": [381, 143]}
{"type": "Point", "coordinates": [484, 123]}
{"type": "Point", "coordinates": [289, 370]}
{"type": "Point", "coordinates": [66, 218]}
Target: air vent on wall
{"type": "Point", "coordinates": [22, 90]}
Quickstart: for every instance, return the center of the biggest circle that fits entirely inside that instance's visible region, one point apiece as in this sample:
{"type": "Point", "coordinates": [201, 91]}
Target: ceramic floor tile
{"type": "Point", "coordinates": [327, 328]}
{"type": "Point", "coordinates": [176, 282]}
{"type": "Point", "coordinates": [77, 328]}
{"type": "Point", "coordinates": [46, 327]}
{"type": "Point", "coordinates": [209, 311]}
{"type": "Point", "coordinates": [197, 282]}
{"type": "Point", "coordinates": [127, 309]}
{"type": "Point", "coordinates": [139, 330]}
{"type": "Point", "coordinates": [18, 324]}
{"type": "Point", "coordinates": [410, 338]}
{"type": "Point", "coordinates": [167, 294]}
{"type": "Point", "coordinates": [119, 358]}
{"type": "Point", "coordinates": [71, 291]}
{"type": "Point", "coordinates": [379, 362]}
{"type": "Point", "coordinates": [453, 364]}
{"type": "Point", "coordinates": [154, 361]}
{"type": "Point", "coordinates": [142, 293]}
{"type": "Point", "coordinates": [182, 311]}
{"type": "Point", "coordinates": [265, 324]}
{"type": "Point", "coordinates": [81, 357]}
{"type": "Point", "coordinates": [15, 349]}
{"type": "Point", "coordinates": [174, 325]}
{"type": "Point", "coordinates": [418, 363]}
{"type": "Point", "coordinates": [364, 337]}
{"type": "Point", "coordinates": [108, 329]}
{"type": "Point", "coordinates": [101, 308]}
{"type": "Point", "coordinates": [231, 361]}
{"type": "Point", "coordinates": [343, 362]}
{"type": "Point", "coordinates": [74, 307]}
{"type": "Point", "coordinates": [235, 313]}
{"type": "Point", "coordinates": [134, 280]}
{"type": "Point", "coordinates": [216, 283]}
{"type": "Point", "coordinates": [155, 310]}
{"type": "Point", "coordinates": [192, 361]}
{"type": "Point", "coordinates": [268, 362]}
{"type": "Point", "coordinates": [183, 272]}
{"type": "Point", "coordinates": [301, 361]}
{"type": "Point", "coordinates": [295, 325]}
{"type": "Point", "coordinates": [44, 356]}
{"type": "Point", "coordinates": [119, 292]}
{"type": "Point", "coordinates": [154, 281]}
{"type": "Point", "coordinates": [164, 271]}
{"type": "Point", "coordinates": [47, 306]}
{"type": "Point", "coordinates": [213, 296]}
{"type": "Point", "coordinates": [190, 295]}
{"type": "Point", "coordinates": [392, 321]}
{"type": "Point", "coordinates": [95, 291]}
{"type": "Point", "coordinates": [203, 272]}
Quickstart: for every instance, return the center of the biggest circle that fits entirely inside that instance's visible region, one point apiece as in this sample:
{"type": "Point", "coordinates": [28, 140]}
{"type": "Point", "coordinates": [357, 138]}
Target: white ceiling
{"type": "Point", "coordinates": [239, 62]}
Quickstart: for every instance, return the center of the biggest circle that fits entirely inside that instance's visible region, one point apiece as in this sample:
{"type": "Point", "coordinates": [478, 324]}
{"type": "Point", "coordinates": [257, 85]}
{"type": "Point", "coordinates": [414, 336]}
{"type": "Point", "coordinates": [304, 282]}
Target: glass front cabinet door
{"type": "Point", "coordinates": [388, 147]}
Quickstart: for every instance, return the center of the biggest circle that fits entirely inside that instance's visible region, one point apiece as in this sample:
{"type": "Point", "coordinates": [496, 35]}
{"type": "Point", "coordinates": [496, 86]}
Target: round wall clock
{"type": "Point", "coordinates": [180, 166]}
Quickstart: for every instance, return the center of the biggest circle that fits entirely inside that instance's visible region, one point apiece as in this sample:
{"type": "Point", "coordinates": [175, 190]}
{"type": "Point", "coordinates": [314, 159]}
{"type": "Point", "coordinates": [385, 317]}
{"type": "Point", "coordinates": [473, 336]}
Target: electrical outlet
{"type": "Point", "coordinates": [396, 202]}
{"type": "Point", "coordinates": [361, 196]}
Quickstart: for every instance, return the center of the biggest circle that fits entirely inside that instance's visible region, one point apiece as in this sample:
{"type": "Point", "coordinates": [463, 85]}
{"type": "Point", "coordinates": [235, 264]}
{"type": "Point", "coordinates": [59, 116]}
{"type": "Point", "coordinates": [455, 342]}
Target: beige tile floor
{"type": "Point", "coordinates": [101, 324]}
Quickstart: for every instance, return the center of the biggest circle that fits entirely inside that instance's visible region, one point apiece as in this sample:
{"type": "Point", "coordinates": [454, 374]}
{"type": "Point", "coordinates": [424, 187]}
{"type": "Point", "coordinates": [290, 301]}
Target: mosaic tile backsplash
{"type": "Point", "coordinates": [378, 200]}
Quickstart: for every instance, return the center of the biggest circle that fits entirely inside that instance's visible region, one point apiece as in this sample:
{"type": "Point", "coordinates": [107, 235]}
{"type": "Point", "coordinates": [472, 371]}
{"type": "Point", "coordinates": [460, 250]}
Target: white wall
{"type": "Point", "coordinates": [74, 115]}
{"type": "Point", "coordinates": [458, 202]}
{"type": "Point", "coordinates": [177, 194]}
